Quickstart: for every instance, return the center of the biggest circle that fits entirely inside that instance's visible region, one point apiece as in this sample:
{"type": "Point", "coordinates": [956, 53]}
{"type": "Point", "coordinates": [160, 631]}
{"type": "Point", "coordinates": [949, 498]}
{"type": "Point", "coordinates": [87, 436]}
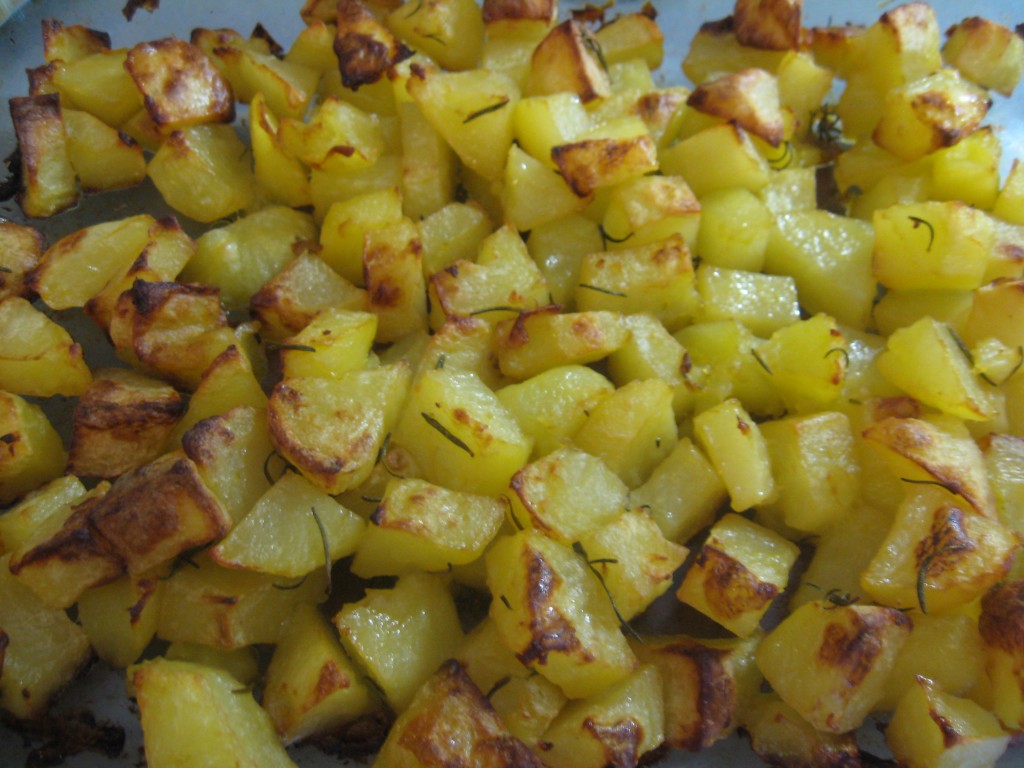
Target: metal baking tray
{"type": "Point", "coordinates": [102, 690]}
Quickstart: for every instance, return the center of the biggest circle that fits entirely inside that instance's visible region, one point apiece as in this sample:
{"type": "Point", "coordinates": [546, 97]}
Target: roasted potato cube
{"type": "Point", "coordinates": [749, 98]}
{"type": "Point", "coordinates": [173, 329]}
{"type": "Point", "coordinates": [631, 36]}
{"type": "Point", "coordinates": [230, 608]}
{"type": "Point", "coordinates": [569, 59]}
{"type": "Point", "coordinates": [280, 176]}
{"type": "Point", "coordinates": [121, 422]}
{"type": "Point", "coordinates": [203, 172]}
{"type": "Point", "coordinates": [986, 53]}
{"type": "Point", "coordinates": [780, 736]}
{"type": "Point", "coordinates": [933, 728]}
{"type": "Point", "coordinates": [42, 649]}
{"type": "Point", "coordinates": [333, 430]}
{"type": "Point", "coordinates": [451, 32]}
{"type": "Point", "coordinates": [71, 42]}
{"type": "Point", "coordinates": [1000, 622]}
{"type": "Point", "coordinates": [21, 248]}
{"type": "Point", "coordinates": [736, 448]}
{"type": "Point", "coordinates": [180, 86]}
{"type": "Point", "coordinates": [625, 720]}
{"type": "Point", "coordinates": [103, 158]}
{"type": "Point", "coordinates": [450, 720]}
{"type": "Point", "coordinates": [335, 342]}
{"type": "Point", "coordinates": [100, 84]}
{"type": "Point", "coordinates": [741, 568]}
{"type": "Point", "coordinates": [241, 663]}
{"type": "Point", "coordinates": [552, 613]}
{"type": "Point", "coordinates": [715, 49]}
{"type": "Point", "coordinates": [706, 683]}
{"type": "Point", "coordinates": [120, 618]}
{"type": "Point", "coordinates": [348, 222]}
{"type": "Point", "coordinates": [289, 531]}
{"type": "Point", "coordinates": [938, 556]}
{"type": "Point", "coordinates": [289, 301]}
{"type": "Point", "coordinates": [49, 184]}
{"type": "Point", "coordinates": [223, 725]}
{"type": "Point", "coordinates": [64, 556]}
{"type": "Point", "coordinates": [156, 512]}
{"type": "Point", "coordinates": [830, 662]}
{"type": "Point", "coordinates": [19, 521]}
{"type": "Point", "coordinates": [366, 48]}
{"type": "Point", "coordinates": [737, 163]}
{"type": "Point", "coordinates": [400, 636]}
{"type": "Point", "coordinates": [461, 344]}
{"type": "Point", "coordinates": [768, 24]}
{"type": "Point", "coordinates": [533, 196]}
{"type": "Point", "coordinates": [806, 362]}
{"type": "Point", "coordinates": [607, 155]}
{"type": "Point", "coordinates": [651, 208]}
{"type": "Point", "coordinates": [37, 356]}
{"type": "Point", "coordinates": [421, 526]}
{"type": "Point", "coordinates": [395, 285]}
{"type": "Point", "coordinates": [31, 451]}
{"type": "Point", "coordinates": [312, 687]}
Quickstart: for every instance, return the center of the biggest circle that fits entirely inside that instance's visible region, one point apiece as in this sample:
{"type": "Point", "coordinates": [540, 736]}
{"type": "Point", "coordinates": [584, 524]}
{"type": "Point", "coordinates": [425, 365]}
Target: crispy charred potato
{"type": "Point", "coordinates": [747, 97]}
{"type": "Point", "coordinates": [49, 184]}
{"type": "Point", "coordinates": [768, 24]}
{"type": "Point", "coordinates": [71, 42]}
{"type": "Point", "coordinates": [21, 248]}
{"type": "Point", "coordinates": [569, 59]}
{"type": "Point", "coordinates": [366, 49]}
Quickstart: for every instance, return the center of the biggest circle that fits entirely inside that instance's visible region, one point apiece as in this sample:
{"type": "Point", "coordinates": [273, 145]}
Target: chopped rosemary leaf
{"type": "Point", "coordinates": [577, 547]}
{"type": "Point", "coordinates": [288, 587]}
{"type": "Point", "coordinates": [606, 238]}
{"type": "Point", "coordinates": [841, 351]}
{"type": "Point", "coordinates": [453, 439]}
{"type": "Point", "coordinates": [279, 346]}
{"type": "Point", "coordinates": [761, 362]}
{"type": "Point", "coordinates": [498, 685]}
{"type": "Point", "coordinates": [486, 110]}
{"type": "Point", "coordinates": [327, 546]}
{"type": "Point", "coordinates": [918, 221]}
{"type": "Point", "coordinates": [599, 289]}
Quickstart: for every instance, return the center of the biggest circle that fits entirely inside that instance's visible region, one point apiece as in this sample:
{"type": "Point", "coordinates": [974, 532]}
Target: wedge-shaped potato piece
{"type": "Point", "coordinates": [451, 32]}
{"type": "Point", "coordinates": [306, 286]}
{"type": "Point", "coordinates": [156, 512]}
{"type": "Point", "coordinates": [651, 352]}
{"type": "Point", "coordinates": [655, 279]}
{"type": "Point", "coordinates": [833, 272]}
{"type": "Point", "coordinates": [472, 110]}
{"type": "Point", "coordinates": [565, 494]}
{"type": "Point", "coordinates": [545, 122]}
{"type": "Point", "coordinates": [241, 663]}
{"type": "Point", "coordinates": [553, 405]}
{"type": "Point", "coordinates": [986, 53]}
{"type": "Point", "coordinates": [933, 728]}
{"type": "Point", "coordinates": [287, 86]}
{"type": "Point", "coordinates": [925, 451]}
{"type": "Point", "coordinates": [706, 684]}
{"type": "Point", "coordinates": [21, 248]}
{"type": "Point", "coordinates": [503, 281]}
{"type": "Point", "coordinates": [816, 468]}
{"type": "Point", "coordinates": [830, 662]}
{"type": "Point", "coordinates": [203, 172]}
{"type": "Point", "coordinates": [18, 522]}
{"type": "Point", "coordinates": [333, 430]}
{"type": "Point", "coordinates": [1000, 623]}
{"type": "Point", "coordinates": [763, 303]}
{"type": "Point", "coordinates": [172, 329]}
{"type": "Point", "coordinates": [736, 448]}
{"type": "Point", "coordinates": [224, 47]}
{"type": "Point", "coordinates": [312, 687]}
{"type": "Point", "coordinates": [931, 113]}
{"type": "Point", "coordinates": [682, 494]}
{"type": "Point", "coordinates": [568, 59]}
{"type": "Point", "coordinates": [229, 608]}
{"type": "Point", "coordinates": [80, 265]}
{"type": "Point", "coordinates": [741, 568]}
{"type": "Point", "coordinates": [651, 208]}
{"type": "Point", "coordinates": [545, 338]}
{"type": "Point", "coordinates": [715, 50]}
{"type": "Point", "coordinates": [289, 531]}
{"type": "Point", "coordinates": [631, 36]}
{"type": "Point", "coordinates": [533, 196]}
{"type": "Point", "coordinates": [103, 158]}
{"type": "Point", "coordinates": [461, 344]}
{"type": "Point", "coordinates": [400, 636]}
{"type": "Point", "coordinates": [223, 725]}
{"type": "Point", "coordinates": [625, 720]}
{"type": "Point", "coordinates": [100, 84]}
{"type": "Point", "coordinates": [64, 556]}
{"type": "Point", "coordinates": [49, 184]}
{"type": "Point", "coordinates": [120, 618]}
{"type": "Point", "coordinates": [71, 42]}
{"type": "Point", "coordinates": [551, 611]}
{"type": "Point", "coordinates": [42, 648]}
{"type": "Point", "coordinates": [525, 701]}
{"type": "Point", "coordinates": [749, 98]}
{"type": "Point", "coordinates": [780, 736]}
{"type": "Point", "coordinates": [632, 429]}
{"type": "Point", "coordinates": [510, 41]}
{"type": "Point", "coordinates": [429, 166]}
{"type": "Point", "coordinates": [717, 157]}
{"type": "Point", "coordinates": [460, 434]}
{"type": "Point", "coordinates": [180, 86]}
{"type": "Point", "coordinates": [926, 362]}
{"type": "Point", "coordinates": [347, 224]}
{"type": "Point", "coordinates": [280, 176]}
{"type": "Point", "coordinates": [806, 362]}
{"type": "Point", "coordinates": [366, 49]}
{"type": "Point", "coordinates": [121, 422]}
{"type": "Point", "coordinates": [938, 556]}
{"type": "Point", "coordinates": [240, 257]}
{"type": "Point", "coordinates": [230, 452]}
{"type": "Point", "coordinates": [37, 356]}
{"type": "Point", "coordinates": [327, 187]}
{"type": "Point", "coordinates": [635, 561]}
{"type": "Point", "coordinates": [607, 155]}
{"type": "Point", "coordinates": [338, 137]}
{"type": "Point", "coordinates": [335, 342]}
{"type": "Point", "coordinates": [997, 310]}
{"type": "Point", "coordinates": [421, 526]}
{"type": "Point", "coordinates": [166, 252]}
{"type": "Point", "coordinates": [768, 24]}
{"type": "Point", "coordinates": [395, 286]}
{"type": "Point", "coordinates": [31, 451]}
{"type": "Point", "coordinates": [451, 722]}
